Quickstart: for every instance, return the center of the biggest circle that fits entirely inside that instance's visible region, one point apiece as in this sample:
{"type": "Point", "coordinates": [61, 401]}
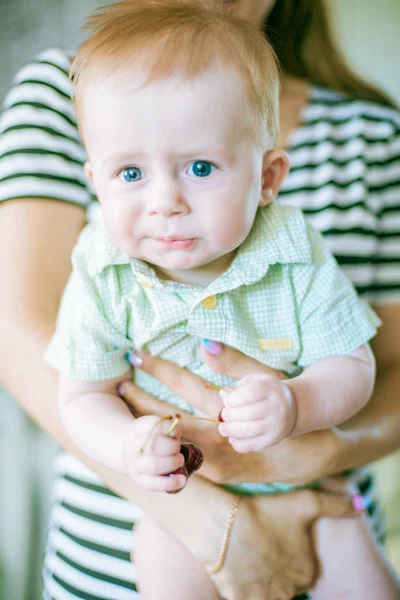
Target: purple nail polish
{"type": "Point", "coordinates": [134, 359]}
{"type": "Point", "coordinates": [121, 390]}
{"type": "Point", "coordinates": [213, 348]}
{"type": "Point", "coordinates": [361, 502]}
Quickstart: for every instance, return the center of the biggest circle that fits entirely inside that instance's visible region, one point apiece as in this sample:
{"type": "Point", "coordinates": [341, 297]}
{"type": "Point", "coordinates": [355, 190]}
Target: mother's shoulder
{"type": "Point", "coordinates": [340, 103]}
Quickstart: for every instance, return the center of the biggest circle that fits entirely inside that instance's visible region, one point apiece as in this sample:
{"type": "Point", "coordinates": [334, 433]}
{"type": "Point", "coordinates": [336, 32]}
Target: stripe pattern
{"type": "Point", "coordinates": [345, 176]}
{"type": "Point", "coordinates": [41, 155]}
{"type": "Point", "coordinates": [345, 165]}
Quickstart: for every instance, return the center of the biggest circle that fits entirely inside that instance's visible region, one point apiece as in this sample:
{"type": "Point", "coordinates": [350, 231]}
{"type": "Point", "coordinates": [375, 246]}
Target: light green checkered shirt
{"type": "Point", "coordinates": [283, 301]}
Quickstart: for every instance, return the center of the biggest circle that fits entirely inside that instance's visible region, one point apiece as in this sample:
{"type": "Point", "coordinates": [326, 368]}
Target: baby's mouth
{"type": "Point", "coordinates": [176, 243]}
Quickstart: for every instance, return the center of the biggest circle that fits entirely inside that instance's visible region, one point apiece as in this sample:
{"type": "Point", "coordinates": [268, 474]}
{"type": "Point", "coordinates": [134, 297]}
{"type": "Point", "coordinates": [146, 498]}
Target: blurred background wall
{"type": "Point", "coordinates": [368, 31]}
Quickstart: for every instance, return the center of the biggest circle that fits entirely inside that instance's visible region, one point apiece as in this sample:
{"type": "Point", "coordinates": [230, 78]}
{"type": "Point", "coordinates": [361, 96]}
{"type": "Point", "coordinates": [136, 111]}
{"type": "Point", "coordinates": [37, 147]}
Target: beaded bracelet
{"type": "Point", "coordinates": [226, 538]}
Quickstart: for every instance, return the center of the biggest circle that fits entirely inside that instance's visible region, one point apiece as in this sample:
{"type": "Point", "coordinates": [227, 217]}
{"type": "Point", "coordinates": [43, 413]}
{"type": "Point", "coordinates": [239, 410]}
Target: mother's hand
{"type": "Point", "coordinates": [271, 555]}
{"type": "Point", "coordinates": [295, 460]}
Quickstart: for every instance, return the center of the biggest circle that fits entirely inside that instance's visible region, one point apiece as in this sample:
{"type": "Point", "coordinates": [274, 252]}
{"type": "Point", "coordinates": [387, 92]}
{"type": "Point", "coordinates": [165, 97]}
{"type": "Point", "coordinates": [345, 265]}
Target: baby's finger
{"type": "Point", "coordinates": [171, 427]}
{"type": "Point", "coordinates": [243, 395]}
{"type": "Point", "coordinates": [250, 445]}
{"type": "Point", "coordinates": [157, 425]}
{"type": "Point", "coordinates": [249, 412]}
{"type": "Point", "coordinates": [243, 429]}
{"type": "Point", "coordinates": [150, 464]}
{"type": "Point", "coordinates": [163, 483]}
{"type": "Point", "coordinates": [153, 428]}
{"type": "Point", "coordinates": [165, 445]}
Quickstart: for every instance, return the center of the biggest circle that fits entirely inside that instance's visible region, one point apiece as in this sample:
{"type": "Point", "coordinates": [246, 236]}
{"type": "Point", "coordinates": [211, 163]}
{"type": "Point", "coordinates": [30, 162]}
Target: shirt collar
{"type": "Point", "coordinates": [278, 235]}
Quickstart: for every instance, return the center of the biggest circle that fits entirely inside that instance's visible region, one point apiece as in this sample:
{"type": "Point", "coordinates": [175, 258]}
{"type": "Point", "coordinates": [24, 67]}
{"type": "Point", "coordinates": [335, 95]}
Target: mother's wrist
{"type": "Point", "coordinates": [307, 458]}
{"type": "Point", "coordinates": [201, 511]}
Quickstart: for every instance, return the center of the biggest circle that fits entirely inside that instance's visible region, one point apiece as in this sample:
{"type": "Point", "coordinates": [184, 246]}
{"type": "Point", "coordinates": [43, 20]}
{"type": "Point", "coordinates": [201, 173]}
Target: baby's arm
{"type": "Point", "coordinates": [332, 390]}
{"type": "Point", "coordinates": [101, 424]}
{"type": "Point", "coordinates": [262, 410]}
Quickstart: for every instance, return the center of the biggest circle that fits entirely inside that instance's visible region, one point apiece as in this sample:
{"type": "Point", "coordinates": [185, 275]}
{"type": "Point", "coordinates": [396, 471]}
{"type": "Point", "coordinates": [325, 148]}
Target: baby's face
{"type": "Point", "coordinates": [177, 172]}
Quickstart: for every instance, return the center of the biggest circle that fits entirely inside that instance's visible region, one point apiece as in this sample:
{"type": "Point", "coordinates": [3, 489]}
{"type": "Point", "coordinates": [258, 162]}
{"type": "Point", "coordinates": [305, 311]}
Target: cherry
{"type": "Point", "coordinates": [193, 461]}
{"type": "Point", "coordinates": [193, 457]}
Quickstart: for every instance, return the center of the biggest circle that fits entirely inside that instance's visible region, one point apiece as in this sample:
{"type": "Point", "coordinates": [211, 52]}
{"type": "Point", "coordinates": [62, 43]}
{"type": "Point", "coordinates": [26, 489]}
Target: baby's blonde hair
{"type": "Point", "coordinates": [180, 36]}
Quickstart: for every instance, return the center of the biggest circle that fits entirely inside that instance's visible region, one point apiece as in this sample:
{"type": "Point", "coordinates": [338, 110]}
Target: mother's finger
{"type": "Point", "coordinates": [143, 403]}
{"type": "Point", "coordinates": [315, 504]}
{"type": "Point", "coordinates": [232, 362]}
{"type": "Point", "coordinates": [188, 386]}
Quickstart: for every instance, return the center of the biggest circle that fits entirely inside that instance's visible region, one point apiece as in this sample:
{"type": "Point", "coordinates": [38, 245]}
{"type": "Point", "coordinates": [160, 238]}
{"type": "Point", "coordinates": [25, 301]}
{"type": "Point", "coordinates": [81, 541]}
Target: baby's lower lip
{"type": "Point", "coordinates": [182, 244]}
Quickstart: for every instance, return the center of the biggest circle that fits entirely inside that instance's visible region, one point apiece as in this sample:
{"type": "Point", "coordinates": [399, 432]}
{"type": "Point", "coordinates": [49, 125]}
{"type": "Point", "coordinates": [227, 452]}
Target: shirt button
{"type": "Point", "coordinates": [145, 284]}
{"type": "Point", "coordinates": [209, 303]}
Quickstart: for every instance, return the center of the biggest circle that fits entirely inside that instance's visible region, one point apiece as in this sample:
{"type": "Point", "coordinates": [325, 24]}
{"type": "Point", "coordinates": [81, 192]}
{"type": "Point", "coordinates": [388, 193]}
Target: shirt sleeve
{"type": "Point", "coordinates": [41, 154]}
{"type": "Point", "coordinates": [87, 344]}
{"type": "Point", "coordinates": [333, 320]}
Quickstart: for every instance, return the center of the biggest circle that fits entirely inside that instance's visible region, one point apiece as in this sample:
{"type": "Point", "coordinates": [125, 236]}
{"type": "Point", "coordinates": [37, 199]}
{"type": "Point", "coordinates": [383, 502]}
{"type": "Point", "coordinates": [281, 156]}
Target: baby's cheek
{"type": "Point", "coordinates": [121, 227]}
{"type": "Point", "coordinates": [232, 232]}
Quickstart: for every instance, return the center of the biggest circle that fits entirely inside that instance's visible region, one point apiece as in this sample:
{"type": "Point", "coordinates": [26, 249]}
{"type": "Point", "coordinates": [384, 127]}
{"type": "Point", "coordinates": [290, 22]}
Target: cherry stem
{"type": "Point", "coordinates": [174, 424]}
{"type": "Point", "coordinates": [175, 420]}
{"type": "Point", "coordinates": [156, 424]}
{"type": "Point", "coordinates": [201, 419]}
{"type": "Point", "coordinates": [209, 385]}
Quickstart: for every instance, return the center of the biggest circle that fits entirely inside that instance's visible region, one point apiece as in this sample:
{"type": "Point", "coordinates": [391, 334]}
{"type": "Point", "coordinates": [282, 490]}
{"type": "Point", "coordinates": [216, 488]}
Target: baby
{"type": "Point", "coordinates": [178, 108]}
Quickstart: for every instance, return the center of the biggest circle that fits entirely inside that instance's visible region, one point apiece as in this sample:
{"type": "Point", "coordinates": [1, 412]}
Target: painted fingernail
{"type": "Point", "coordinates": [134, 359]}
{"type": "Point", "coordinates": [181, 471]}
{"type": "Point", "coordinates": [220, 417]}
{"type": "Point", "coordinates": [361, 502]}
{"type": "Point", "coordinates": [121, 390]}
{"type": "Point", "coordinates": [214, 348]}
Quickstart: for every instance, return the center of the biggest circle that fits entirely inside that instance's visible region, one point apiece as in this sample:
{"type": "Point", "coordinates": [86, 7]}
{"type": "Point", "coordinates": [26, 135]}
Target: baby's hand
{"type": "Point", "coordinates": [151, 456]}
{"type": "Point", "coordinates": [259, 411]}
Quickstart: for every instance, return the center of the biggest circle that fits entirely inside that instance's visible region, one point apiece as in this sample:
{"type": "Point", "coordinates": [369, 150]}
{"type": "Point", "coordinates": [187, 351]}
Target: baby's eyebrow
{"type": "Point", "coordinates": [122, 157]}
{"type": "Point", "coordinates": [204, 153]}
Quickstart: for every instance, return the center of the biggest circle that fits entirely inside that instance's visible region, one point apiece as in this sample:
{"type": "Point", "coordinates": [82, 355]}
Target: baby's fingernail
{"type": "Point", "coordinates": [361, 502]}
{"type": "Point", "coordinates": [221, 429]}
{"type": "Point", "coordinates": [121, 390]}
{"type": "Point", "coordinates": [134, 359]}
{"type": "Point", "coordinates": [212, 347]}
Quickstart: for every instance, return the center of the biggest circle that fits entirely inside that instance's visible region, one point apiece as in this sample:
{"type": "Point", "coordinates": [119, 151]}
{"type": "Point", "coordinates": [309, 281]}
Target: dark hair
{"type": "Point", "coordinates": [301, 35]}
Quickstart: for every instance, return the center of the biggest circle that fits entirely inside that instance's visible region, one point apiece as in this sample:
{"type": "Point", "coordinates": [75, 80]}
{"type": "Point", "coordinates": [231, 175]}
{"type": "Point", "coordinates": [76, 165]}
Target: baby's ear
{"type": "Point", "coordinates": [88, 170]}
{"type": "Point", "coordinates": [275, 168]}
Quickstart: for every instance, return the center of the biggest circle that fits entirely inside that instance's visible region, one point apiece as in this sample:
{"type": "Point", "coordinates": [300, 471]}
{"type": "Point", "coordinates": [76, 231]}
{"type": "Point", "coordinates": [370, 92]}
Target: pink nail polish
{"type": "Point", "coordinates": [121, 390]}
{"type": "Point", "coordinates": [361, 502]}
{"type": "Point", "coordinates": [134, 359]}
{"type": "Point", "coordinates": [213, 348]}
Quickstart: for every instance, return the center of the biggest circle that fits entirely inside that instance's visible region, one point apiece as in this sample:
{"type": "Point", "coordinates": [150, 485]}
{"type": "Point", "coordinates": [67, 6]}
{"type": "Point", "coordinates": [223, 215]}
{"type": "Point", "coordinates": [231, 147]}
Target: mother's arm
{"type": "Point", "coordinates": [36, 238]}
{"type": "Point", "coordinates": [366, 437]}
{"type": "Point", "coordinates": [374, 432]}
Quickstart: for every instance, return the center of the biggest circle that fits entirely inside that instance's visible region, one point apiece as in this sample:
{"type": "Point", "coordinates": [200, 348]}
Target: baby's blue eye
{"type": "Point", "coordinates": [131, 174]}
{"type": "Point", "coordinates": [201, 168]}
